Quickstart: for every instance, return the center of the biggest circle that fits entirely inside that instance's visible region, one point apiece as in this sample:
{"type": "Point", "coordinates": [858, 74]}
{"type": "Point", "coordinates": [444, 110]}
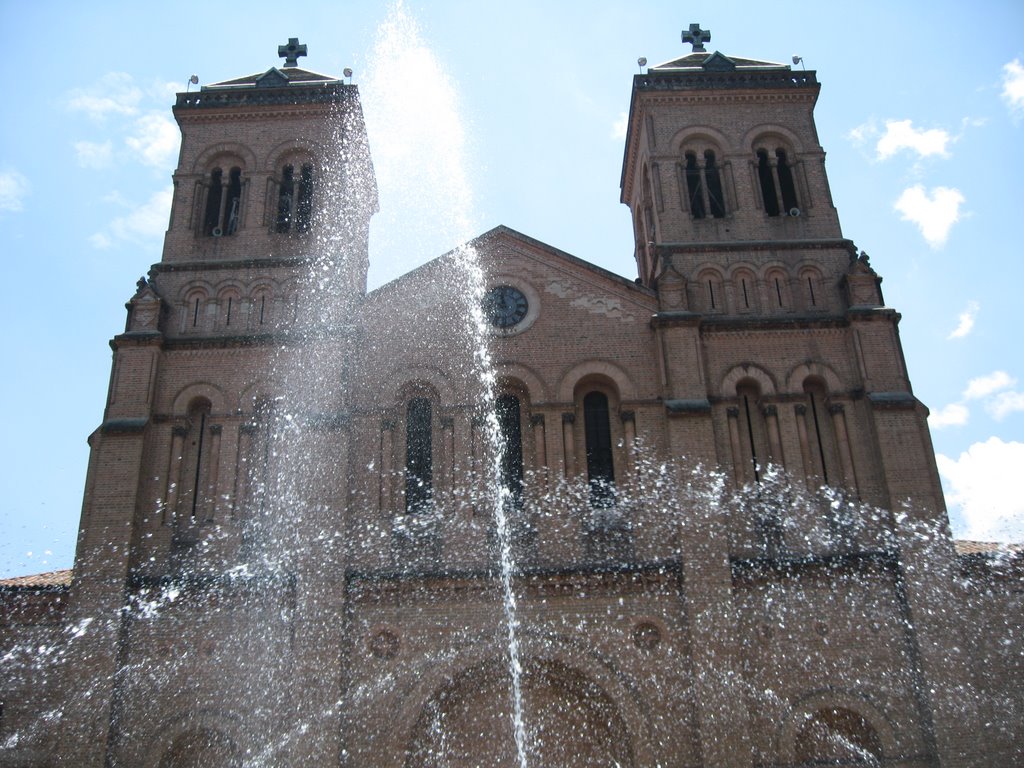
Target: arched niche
{"type": "Point", "coordinates": [835, 727]}
{"type": "Point", "coordinates": [812, 370]}
{"type": "Point", "coordinates": [197, 390]}
{"type": "Point", "coordinates": [573, 721]}
{"type": "Point", "coordinates": [747, 371]}
{"type": "Point", "coordinates": [596, 370]}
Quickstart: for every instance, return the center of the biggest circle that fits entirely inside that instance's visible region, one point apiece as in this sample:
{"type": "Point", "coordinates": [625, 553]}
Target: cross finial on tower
{"type": "Point", "coordinates": [696, 37]}
{"type": "Point", "coordinates": [291, 52]}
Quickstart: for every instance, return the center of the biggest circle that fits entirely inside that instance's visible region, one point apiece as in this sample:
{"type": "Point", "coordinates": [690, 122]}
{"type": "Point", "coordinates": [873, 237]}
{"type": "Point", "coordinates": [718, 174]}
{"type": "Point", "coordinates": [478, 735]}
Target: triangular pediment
{"type": "Point", "coordinates": [719, 62]}
{"type": "Point", "coordinates": [272, 78]}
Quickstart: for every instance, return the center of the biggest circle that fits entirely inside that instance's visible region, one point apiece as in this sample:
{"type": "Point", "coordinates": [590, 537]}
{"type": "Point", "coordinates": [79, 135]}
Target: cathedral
{"type": "Point", "coordinates": [512, 508]}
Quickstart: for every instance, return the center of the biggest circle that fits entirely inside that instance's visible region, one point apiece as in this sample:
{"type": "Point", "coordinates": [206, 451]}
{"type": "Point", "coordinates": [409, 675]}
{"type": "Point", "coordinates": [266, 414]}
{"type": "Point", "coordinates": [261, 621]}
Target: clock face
{"type": "Point", "coordinates": [505, 306]}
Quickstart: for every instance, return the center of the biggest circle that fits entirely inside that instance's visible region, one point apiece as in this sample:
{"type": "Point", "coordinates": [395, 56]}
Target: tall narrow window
{"type": "Point", "coordinates": [285, 195]}
{"type": "Point", "coordinates": [716, 198]}
{"type": "Point", "coordinates": [419, 460]}
{"type": "Point", "coordinates": [295, 199]}
{"type": "Point", "coordinates": [214, 195]}
{"type": "Point", "coordinates": [767, 180]}
{"type": "Point", "coordinates": [232, 209]}
{"type": "Point", "coordinates": [600, 469]}
{"type": "Point", "coordinates": [510, 424]}
{"type": "Point", "coordinates": [196, 461]}
{"type": "Point", "coordinates": [223, 203]}
{"type": "Point", "coordinates": [820, 431]}
{"type": "Point", "coordinates": [752, 427]}
{"type": "Point", "coordinates": [695, 187]}
{"type": "Point", "coordinates": [786, 184]}
{"type": "Point", "coordinates": [304, 208]}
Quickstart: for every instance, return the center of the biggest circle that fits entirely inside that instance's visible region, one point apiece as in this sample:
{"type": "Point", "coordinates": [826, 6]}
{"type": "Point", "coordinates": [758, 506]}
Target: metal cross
{"type": "Point", "coordinates": [292, 51]}
{"type": "Point", "coordinates": [696, 37]}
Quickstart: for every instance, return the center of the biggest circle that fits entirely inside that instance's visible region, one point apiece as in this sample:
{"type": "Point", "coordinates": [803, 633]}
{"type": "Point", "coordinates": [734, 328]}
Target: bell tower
{"type": "Point", "coordinates": [722, 151]}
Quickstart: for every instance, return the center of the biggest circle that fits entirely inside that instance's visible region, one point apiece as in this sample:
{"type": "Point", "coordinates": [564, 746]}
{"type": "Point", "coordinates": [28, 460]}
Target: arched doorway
{"type": "Point", "coordinates": [201, 748]}
{"type": "Point", "coordinates": [570, 721]}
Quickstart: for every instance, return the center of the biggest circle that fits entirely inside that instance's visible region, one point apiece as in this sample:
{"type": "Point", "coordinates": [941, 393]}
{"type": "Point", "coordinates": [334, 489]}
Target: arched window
{"type": "Point", "coordinates": [716, 195]}
{"type": "Point", "coordinates": [821, 442]}
{"type": "Point", "coordinates": [196, 461]}
{"type": "Point", "coordinates": [744, 286]}
{"type": "Point", "coordinates": [194, 310]}
{"type": "Point", "coordinates": [837, 736]}
{"type": "Point", "coordinates": [419, 457]}
{"type": "Point", "coordinates": [777, 284]}
{"type": "Point", "coordinates": [778, 186]}
{"type": "Point", "coordinates": [695, 187]}
{"type": "Point", "coordinates": [710, 291]}
{"type": "Point", "coordinates": [810, 283]}
{"type": "Point", "coordinates": [767, 180]}
{"type": "Point", "coordinates": [295, 199]}
{"type": "Point", "coordinates": [223, 203]}
{"type": "Point", "coordinates": [261, 308]}
{"type": "Point", "coordinates": [752, 428]}
{"type": "Point", "coordinates": [786, 185]}
{"type": "Point", "coordinates": [600, 467]}
{"type": "Point", "coordinates": [509, 415]}
{"type": "Point", "coordinates": [704, 191]}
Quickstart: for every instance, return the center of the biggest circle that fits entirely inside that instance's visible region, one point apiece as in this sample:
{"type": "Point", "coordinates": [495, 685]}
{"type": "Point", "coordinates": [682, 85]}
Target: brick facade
{"type": "Point", "coordinates": [769, 581]}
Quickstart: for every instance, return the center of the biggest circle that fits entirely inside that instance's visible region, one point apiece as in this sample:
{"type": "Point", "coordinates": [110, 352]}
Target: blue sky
{"type": "Point", "coordinates": [921, 114]}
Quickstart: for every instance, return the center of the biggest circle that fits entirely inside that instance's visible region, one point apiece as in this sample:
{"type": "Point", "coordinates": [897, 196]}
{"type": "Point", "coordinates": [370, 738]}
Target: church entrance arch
{"type": "Point", "coordinates": [571, 722]}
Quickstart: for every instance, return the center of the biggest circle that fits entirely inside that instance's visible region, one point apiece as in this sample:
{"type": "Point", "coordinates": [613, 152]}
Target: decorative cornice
{"type": "Point", "coordinates": [732, 246]}
{"type": "Point", "coordinates": [329, 92]}
{"type": "Point", "coordinates": [229, 264]}
{"type": "Point", "coordinates": [740, 79]}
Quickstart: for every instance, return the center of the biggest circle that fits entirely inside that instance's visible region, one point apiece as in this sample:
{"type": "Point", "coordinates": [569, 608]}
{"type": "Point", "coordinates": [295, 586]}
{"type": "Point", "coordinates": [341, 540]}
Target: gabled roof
{"type": "Point", "coordinates": [502, 231]}
{"type": "Point", "coordinates": [274, 77]}
{"type": "Point", "coordinates": [714, 61]}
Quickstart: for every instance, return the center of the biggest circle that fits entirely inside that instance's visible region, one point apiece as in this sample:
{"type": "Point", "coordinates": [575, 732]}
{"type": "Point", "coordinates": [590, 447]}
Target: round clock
{"type": "Point", "coordinates": [505, 306]}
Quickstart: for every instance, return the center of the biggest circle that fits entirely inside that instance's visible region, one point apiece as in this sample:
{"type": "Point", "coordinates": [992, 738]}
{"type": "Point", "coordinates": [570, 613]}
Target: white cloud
{"type": "Point", "coordinates": [155, 140]}
{"type": "Point", "coordinates": [934, 214]}
{"type": "Point", "coordinates": [953, 415]}
{"type": "Point", "coordinates": [14, 188]}
{"type": "Point", "coordinates": [966, 323]}
{"type": "Point", "coordinates": [983, 386]}
{"type": "Point", "coordinates": [114, 94]}
{"type": "Point", "coordinates": [93, 155]}
{"type": "Point", "coordinates": [901, 134]}
{"type": "Point", "coordinates": [143, 223]}
{"type": "Point", "coordinates": [100, 241]}
{"type": "Point", "coordinates": [983, 486]}
{"type": "Point", "coordinates": [1005, 403]}
{"type": "Point", "coordinates": [620, 126]}
{"type": "Point", "coordinates": [1013, 87]}
{"type": "Point", "coordinates": [862, 133]}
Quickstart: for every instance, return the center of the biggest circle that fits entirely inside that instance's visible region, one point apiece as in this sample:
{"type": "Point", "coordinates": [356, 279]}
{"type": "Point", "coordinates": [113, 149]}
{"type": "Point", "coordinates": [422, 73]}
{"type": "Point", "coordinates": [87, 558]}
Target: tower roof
{"type": "Point", "coordinates": [704, 61]}
{"type": "Point", "coordinates": [274, 77]}
{"type": "Point", "coordinates": [288, 84]}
